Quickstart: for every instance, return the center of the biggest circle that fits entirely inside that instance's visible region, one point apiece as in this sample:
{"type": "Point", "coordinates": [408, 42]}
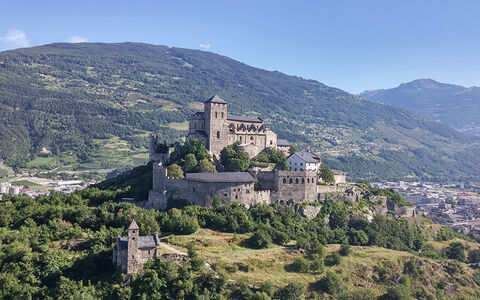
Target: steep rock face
{"type": "Point", "coordinates": [309, 211]}
{"type": "Point", "coordinates": [454, 105]}
{"type": "Point", "coordinates": [76, 99]}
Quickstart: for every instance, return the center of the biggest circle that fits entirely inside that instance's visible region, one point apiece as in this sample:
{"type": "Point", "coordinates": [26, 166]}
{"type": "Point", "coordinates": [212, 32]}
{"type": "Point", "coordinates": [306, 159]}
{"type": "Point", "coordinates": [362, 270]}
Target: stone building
{"type": "Point", "coordinates": [220, 129]}
{"type": "Point", "coordinates": [201, 188]}
{"type": "Point", "coordinates": [132, 252]}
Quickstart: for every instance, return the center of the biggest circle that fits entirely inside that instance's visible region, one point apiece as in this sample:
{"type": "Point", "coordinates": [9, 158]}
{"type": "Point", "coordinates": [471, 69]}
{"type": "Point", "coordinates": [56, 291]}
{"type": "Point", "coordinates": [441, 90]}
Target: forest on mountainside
{"type": "Point", "coordinates": [93, 105]}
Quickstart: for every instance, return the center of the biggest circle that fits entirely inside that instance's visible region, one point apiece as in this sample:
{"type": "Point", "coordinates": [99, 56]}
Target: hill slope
{"type": "Point", "coordinates": [92, 105]}
{"type": "Point", "coordinates": [451, 104]}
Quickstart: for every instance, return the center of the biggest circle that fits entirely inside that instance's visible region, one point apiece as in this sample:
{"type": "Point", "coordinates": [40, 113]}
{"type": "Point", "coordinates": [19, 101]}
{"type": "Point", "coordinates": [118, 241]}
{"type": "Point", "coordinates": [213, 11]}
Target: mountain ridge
{"type": "Point", "coordinates": [92, 105]}
{"type": "Point", "coordinates": [451, 104]}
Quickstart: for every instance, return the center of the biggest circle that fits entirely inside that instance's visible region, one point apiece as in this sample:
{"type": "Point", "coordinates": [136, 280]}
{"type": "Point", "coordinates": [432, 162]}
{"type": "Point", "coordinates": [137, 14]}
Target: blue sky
{"type": "Point", "coordinates": [353, 45]}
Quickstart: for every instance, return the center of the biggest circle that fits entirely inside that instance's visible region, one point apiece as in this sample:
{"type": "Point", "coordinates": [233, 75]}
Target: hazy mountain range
{"type": "Point", "coordinates": [92, 105]}
{"type": "Point", "coordinates": [451, 104]}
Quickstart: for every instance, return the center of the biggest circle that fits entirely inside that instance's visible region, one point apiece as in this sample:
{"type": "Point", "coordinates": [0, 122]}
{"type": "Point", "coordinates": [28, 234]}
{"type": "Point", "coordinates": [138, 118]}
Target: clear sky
{"type": "Point", "coordinates": [353, 45]}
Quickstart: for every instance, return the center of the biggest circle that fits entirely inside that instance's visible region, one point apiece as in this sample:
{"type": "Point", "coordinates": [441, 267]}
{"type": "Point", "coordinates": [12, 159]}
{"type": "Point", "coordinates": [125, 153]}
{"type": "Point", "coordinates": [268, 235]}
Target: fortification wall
{"type": "Point", "coordinates": [299, 186]}
{"type": "Point", "coordinates": [262, 197]}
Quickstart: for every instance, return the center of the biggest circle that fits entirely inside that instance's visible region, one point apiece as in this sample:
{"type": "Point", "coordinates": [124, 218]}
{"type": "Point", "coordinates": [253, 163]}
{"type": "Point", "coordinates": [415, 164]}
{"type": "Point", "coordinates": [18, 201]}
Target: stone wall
{"type": "Point", "coordinates": [299, 186]}
{"type": "Point", "coordinates": [262, 196]}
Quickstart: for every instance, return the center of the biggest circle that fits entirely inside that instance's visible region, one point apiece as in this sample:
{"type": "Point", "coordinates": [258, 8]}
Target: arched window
{"type": "Point", "coordinates": [284, 180]}
{"type": "Point", "coordinates": [251, 138]}
{"type": "Point", "coordinates": [308, 180]}
{"type": "Point", "coordinates": [290, 181]}
{"type": "Point", "coordinates": [296, 180]}
{"type": "Point", "coordinates": [222, 114]}
{"type": "Point", "coordinates": [303, 180]}
{"type": "Point", "coordinates": [216, 115]}
{"type": "Point", "coordinates": [218, 134]}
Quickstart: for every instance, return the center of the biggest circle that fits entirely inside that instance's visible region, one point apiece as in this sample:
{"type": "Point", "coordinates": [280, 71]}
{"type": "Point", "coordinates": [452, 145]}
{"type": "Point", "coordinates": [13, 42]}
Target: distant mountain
{"type": "Point", "coordinates": [92, 105]}
{"type": "Point", "coordinates": [451, 104]}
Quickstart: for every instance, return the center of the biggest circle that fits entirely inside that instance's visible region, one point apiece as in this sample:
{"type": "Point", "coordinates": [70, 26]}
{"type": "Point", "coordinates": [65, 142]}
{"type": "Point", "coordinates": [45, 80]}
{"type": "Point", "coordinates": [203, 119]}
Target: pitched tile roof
{"type": "Point", "coordinates": [230, 177]}
{"type": "Point", "coordinates": [149, 241]}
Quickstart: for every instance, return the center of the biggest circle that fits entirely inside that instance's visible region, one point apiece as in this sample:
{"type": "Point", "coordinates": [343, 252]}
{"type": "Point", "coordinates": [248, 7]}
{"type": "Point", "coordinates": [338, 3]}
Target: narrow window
{"type": "Point", "coordinates": [133, 238]}
{"type": "Point", "coordinates": [271, 142]}
{"type": "Point", "coordinates": [308, 180]}
{"type": "Point", "coordinates": [133, 256]}
{"type": "Point", "coordinates": [290, 181]}
{"type": "Point", "coordinates": [303, 180]}
{"type": "Point", "coordinates": [284, 180]}
{"type": "Point", "coordinates": [222, 115]}
{"type": "Point", "coordinates": [236, 196]}
{"type": "Point", "coordinates": [216, 115]}
{"type": "Point", "coordinates": [240, 139]}
{"type": "Point", "coordinates": [218, 134]}
{"type": "Point", "coordinates": [296, 181]}
{"type": "Point", "coordinates": [251, 138]}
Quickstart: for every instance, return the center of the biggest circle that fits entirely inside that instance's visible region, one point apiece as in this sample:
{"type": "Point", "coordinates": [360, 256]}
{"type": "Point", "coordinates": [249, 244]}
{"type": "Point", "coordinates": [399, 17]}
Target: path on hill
{"type": "Point", "coordinates": [170, 248]}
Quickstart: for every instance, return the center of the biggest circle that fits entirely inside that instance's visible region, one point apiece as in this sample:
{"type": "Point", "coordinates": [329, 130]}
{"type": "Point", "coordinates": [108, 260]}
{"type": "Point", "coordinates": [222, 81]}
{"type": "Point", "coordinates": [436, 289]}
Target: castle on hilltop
{"type": "Point", "coordinates": [260, 185]}
{"type": "Point", "coordinates": [220, 129]}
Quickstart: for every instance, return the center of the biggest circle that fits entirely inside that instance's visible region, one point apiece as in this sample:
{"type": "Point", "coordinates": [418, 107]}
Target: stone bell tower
{"type": "Point", "coordinates": [132, 249]}
{"type": "Point", "coordinates": [216, 127]}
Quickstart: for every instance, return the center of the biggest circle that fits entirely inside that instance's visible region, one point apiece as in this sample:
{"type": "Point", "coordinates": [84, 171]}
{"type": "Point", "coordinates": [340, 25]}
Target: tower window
{"type": "Point", "coordinates": [251, 138]}
{"type": "Point", "coordinates": [240, 139]}
{"type": "Point", "coordinates": [216, 115]}
{"type": "Point", "coordinates": [222, 115]}
{"type": "Point", "coordinates": [271, 142]}
{"type": "Point", "coordinates": [284, 180]}
{"type": "Point", "coordinates": [296, 181]}
{"type": "Point", "coordinates": [290, 181]}
{"type": "Point", "coordinates": [303, 180]}
{"type": "Point", "coordinates": [218, 134]}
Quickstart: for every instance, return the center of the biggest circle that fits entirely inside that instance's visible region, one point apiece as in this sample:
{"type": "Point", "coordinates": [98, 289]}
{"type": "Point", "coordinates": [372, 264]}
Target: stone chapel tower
{"type": "Point", "coordinates": [132, 250]}
{"type": "Point", "coordinates": [216, 127]}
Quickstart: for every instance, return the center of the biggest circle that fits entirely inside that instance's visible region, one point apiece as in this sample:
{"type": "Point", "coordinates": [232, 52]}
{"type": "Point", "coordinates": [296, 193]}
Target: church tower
{"type": "Point", "coordinates": [132, 249]}
{"type": "Point", "coordinates": [216, 128]}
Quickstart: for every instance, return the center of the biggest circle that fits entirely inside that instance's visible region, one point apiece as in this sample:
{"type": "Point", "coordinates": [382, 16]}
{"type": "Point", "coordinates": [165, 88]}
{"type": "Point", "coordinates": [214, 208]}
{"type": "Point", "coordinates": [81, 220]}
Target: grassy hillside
{"type": "Point", "coordinates": [60, 247]}
{"type": "Point", "coordinates": [92, 105]}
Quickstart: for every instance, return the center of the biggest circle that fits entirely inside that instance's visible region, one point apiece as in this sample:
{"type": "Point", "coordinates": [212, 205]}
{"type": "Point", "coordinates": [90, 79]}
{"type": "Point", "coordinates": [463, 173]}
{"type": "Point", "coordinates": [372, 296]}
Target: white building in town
{"type": "Point", "coordinates": [301, 161]}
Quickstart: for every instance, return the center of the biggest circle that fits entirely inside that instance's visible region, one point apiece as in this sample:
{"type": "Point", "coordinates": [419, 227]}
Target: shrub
{"type": "Point", "coordinates": [411, 268]}
{"type": "Point", "coordinates": [331, 283]}
{"type": "Point", "coordinates": [317, 264]}
{"type": "Point", "coordinates": [292, 291]}
{"type": "Point", "coordinates": [345, 250]}
{"type": "Point", "coordinates": [260, 239]}
{"type": "Point", "coordinates": [399, 292]}
{"type": "Point", "coordinates": [301, 265]}
{"type": "Point", "coordinates": [455, 250]}
{"type": "Point", "coordinates": [429, 251]}
{"type": "Point", "coordinates": [333, 259]}
{"type": "Point", "coordinates": [358, 294]}
{"type": "Point", "coordinates": [476, 277]}
{"type": "Point", "coordinates": [474, 256]}
{"type": "Point", "coordinates": [357, 237]}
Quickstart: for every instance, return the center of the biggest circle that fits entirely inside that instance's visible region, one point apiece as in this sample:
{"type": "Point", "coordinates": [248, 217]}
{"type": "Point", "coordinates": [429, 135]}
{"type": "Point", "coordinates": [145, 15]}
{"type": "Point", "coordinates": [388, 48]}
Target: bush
{"type": "Point", "coordinates": [333, 259]}
{"type": "Point", "coordinates": [300, 264]}
{"type": "Point", "coordinates": [411, 268]}
{"type": "Point", "coordinates": [455, 250]}
{"type": "Point", "coordinates": [260, 239]}
{"type": "Point", "coordinates": [474, 256]}
{"type": "Point", "coordinates": [292, 291]}
{"type": "Point", "coordinates": [358, 294]}
{"type": "Point", "coordinates": [357, 237]}
{"type": "Point", "coordinates": [429, 251]}
{"type": "Point", "coordinates": [345, 250]}
{"type": "Point", "coordinates": [317, 265]}
{"type": "Point", "coordinates": [399, 292]}
{"type": "Point", "coordinates": [476, 277]}
{"type": "Point", "coordinates": [331, 284]}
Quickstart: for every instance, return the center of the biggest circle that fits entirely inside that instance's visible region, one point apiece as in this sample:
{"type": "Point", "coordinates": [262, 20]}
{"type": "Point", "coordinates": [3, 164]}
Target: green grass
{"type": "Point", "coordinates": [28, 184]}
{"type": "Point", "coordinates": [223, 250]}
{"type": "Point", "coordinates": [46, 163]}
